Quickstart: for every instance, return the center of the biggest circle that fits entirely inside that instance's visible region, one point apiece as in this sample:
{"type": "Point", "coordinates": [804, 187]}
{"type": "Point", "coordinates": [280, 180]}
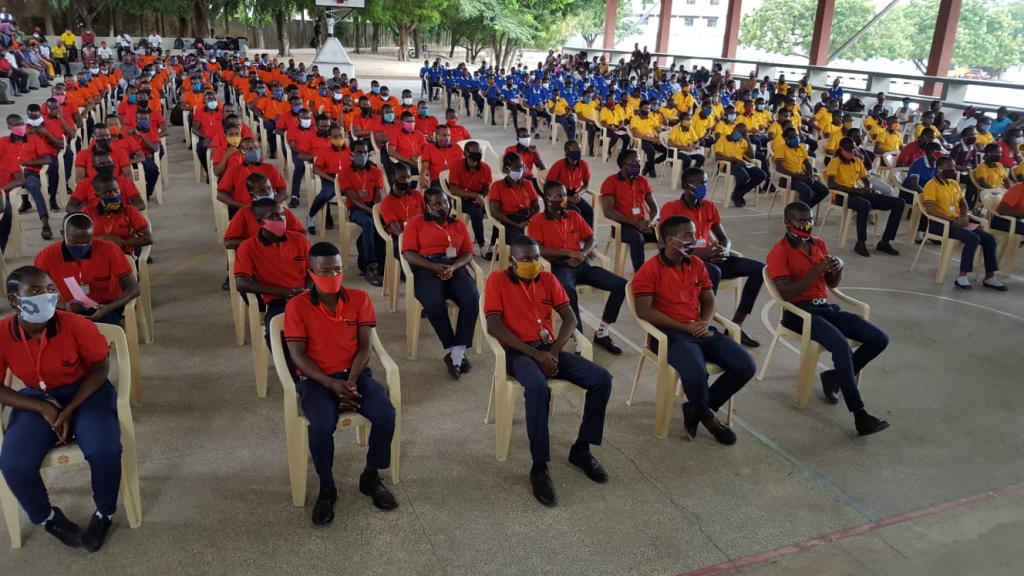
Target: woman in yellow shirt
{"type": "Point", "coordinates": [846, 173]}
{"type": "Point", "coordinates": [943, 199]}
{"type": "Point", "coordinates": [684, 143]}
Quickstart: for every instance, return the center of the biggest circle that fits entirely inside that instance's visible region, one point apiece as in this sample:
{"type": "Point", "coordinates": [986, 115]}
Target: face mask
{"type": "Point", "coordinates": [261, 91]}
{"type": "Point", "coordinates": [407, 101]}
{"type": "Point", "coordinates": [132, 98]}
{"type": "Point", "coordinates": [949, 174]}
{"type": "Point", "coordinates": [337, 96]}
{"type": "Point", "coordinates": [847, 154]}
{"type": "Point", "coordinates": [19, 131]}
{"type": "Point", "coordinates": [251, 156]}
{"type": "Point", "coordinates": [528, 270]}
{"type": "Point", "coordinates": [475, 156]}
{"type": "Point", "coordinates": [38, 309]}
{"type": "Point", "coordinates": [804, 232]}
{"type": "Point", "coordinates": [983, 128]}
{"type": "Point", "coordinates": [375, 89]}
{"type": "Point", "coordinates": [574, 155]}
{"type": "Point", "coordinates": [438, 214]}
{"type": "Point", "coordinates": [115, 131]}
{"type": "Point", "coordinates": [992, 159]}
{"type": "Point", "coordinates": [305, 122]}
{"type": "Point", "coordinates": [524, 142]}
{"type": "Point", "coordinates": [275, 227]}
{"type": "Point", "coordinates": [700, 191]}
{"type": "Point", "coordinates": [327, 284]}
{"type": "Point", "coordinates": [278, 93]}
{"type": "Point", "coordinates": [401, 187]}
{"type": "Point", "coordinates": [633, 169]}
{"type": "Point", "coordinates": [389, 117]}
{"type": "Point", "coordinates": [706, 111]}
{"type": "Point", "coordinates": [644, 113]}
{"type": "Point", "coordinates": [515, 175]}
{"type": "Point", "coordinates": [736, 136]}
{"type": "Point", "coordinates": [684, 248]}
{"type": "Point", "coordinates": [197, 87]}
{"type": "Point", "coordinates": [296, 108]}
{"type": "Point", "coordinates": [104, 170]}
{"type": "Point", "coordinates": [970, 141]}
{"type": "Point", "coordinates": [365, 110]}
{"type": "Point", "coordinates": [1018, 140]}
{"type": "Point", "coordinates": [894, 126]}
{"type": "Point", "coordinates": [338, 142]}
{"type": "Point", "coordinates": [60, 98]}
{"type": "Point", "coordinates": [360, 159]}
{"type": "Point", "coordinates": [452, 121]}
{"type": "Point", "coordinates": [793, 142]}
{"type": "Point", "coordinates": [423, 112]}
{"type": "Point", "coordinates": [211, 105]}
{"type": "Point", "coordinates": [730, 117]}
{"type": "Point", "coordinates": [112, 204]}
{"type": "Point", "coordinates": [35, 121]}
{"type": "Point", "coordinates": [233, 141]}
{"type": "Point", "coordinates": [79, 252]}
{"type": "Point", "coordinates": [87, 77]}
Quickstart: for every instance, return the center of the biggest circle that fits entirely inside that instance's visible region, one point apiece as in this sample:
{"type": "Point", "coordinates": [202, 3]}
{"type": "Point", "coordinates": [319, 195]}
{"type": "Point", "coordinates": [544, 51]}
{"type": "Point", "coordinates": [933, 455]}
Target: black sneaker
{"type": "Point", "coordinates": [867, 424]}
{"type": "Point", "coordinates": [293, 203]}
{"type": "Point", "coordinates": [830, 387]}
{"type": "Point", "coordinates": [585, 461]}
{"type": "Point", "coordinates": [371, 485]}
{"type": "Point", "coordinates": [25, 207]}
{"type": "Point", "coordinates": [323, 510]}
{"type": "Point", "coordinates": [63, 529]}
{"type": "Point", "coordinates": [887, 248]}
{"type": "Point", "coordinates": [96, 533]}
{"type": "Point", "coordinates": [607, 343]}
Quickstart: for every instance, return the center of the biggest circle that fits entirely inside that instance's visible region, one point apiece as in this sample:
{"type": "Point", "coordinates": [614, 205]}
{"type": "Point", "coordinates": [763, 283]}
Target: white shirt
{"type": "Point", "coordinates": [154, 40]}
{"type": "Point", "coordinates": [44, 49]}
{"type": "Point", "coordinates": [965, 122]}
{"type": "Point", "coordinates": [125, 41]}
{"type": "Point", "coordinates": [105, 53]}
{"type": "Point", "coordinates": [10, 58]}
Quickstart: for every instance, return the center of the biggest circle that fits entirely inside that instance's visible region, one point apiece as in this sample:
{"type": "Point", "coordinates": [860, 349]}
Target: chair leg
{"type": "Point", "coordinates": [396, 447]}
{"type": "Point", "coordinates": [412, 327]}
{"type": "Point", "coordinates": [130, 493]}
{"type": "Point", "coordinates": [920, 249]}
{"type": "Point", "coordinates": [844, 231]}
{"type": "Point", "coordinates": [489, 416]}
{"type": "Point", "coordinates": [362, 435]}
{"type": "Point", "coordinates": [805, 378]}
{"type": "Point", "coordinates": [259, 351]}
{"type": "Point", "coordinates": [505, 403]}
{"type": "Point", "coordinates": [945, 255]}
{"type": "Point", "coordinates": [636, 380]}
{"type": "Point", "coordinates": [728, 416]}
{"type": "Point", "coordinates": [11, 509]}
{"type": "Point", "coordinates": [768, 356]}
{"type": "Point", "coordinates": [664, 401]}
{"type": "Point", "coordinates": [298, 461]}
{"type": "Point", "coordinates": [131, 327]}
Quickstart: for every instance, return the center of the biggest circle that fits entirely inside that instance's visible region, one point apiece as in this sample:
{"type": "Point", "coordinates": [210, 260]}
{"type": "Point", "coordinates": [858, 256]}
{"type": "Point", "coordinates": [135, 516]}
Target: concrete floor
{"type": "Point", "coordinates": [216, 496]}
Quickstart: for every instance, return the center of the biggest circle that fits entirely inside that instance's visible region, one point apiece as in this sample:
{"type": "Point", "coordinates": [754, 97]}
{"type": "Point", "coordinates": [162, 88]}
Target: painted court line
{"type": "Point", "coordinates": [868, 528]}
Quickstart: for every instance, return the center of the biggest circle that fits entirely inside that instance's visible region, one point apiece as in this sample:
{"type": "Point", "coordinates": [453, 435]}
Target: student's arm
{"type": "Point", "coordinates": [246, 283]}
{"type": "Point", "coordinates": [608, 203]}
{"type": "Point", "coordinates": [789, 288]}
{"type": "Point", "coordinates": [309, 369]}
{"type": "Point", "coordinates": [96, 377]}
{"type": "Point", "coordinates": [848, 189]}
{"type": "Point", "coordinates": [354, 197]}
{"type": "Point", "coordinates": [565, 331]}
{"type": "Point", "coordinates": [645, 310]}
{"type": "Point", "coordinates": [393, 153]}
{"type": "Point", "coordinates": [222, 165]}
{"type": "Point", "coordinates": [129, 290]}
{"type": "Point", "coordinates": [545, 360]}
{"type": "Point", "coordinates": [43, 160]}
{"type": "Point", "coordinates": [318, 171]}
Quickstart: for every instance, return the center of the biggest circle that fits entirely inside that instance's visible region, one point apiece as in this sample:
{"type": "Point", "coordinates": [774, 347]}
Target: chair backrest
{"type": "Point", "coordinates": [991, 198]}
{"type": "Point", "coordinates": [770, 286]}
{"type": "Point", "coordinates": [381, 231]}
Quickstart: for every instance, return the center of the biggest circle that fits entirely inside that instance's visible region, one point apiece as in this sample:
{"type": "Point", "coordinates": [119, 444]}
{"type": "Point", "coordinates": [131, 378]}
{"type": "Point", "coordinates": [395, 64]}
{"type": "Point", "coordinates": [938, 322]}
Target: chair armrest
{"type": "Point", "coordinates": [586, 348]}
{"type": "Point", "coordinates": [478, 274]}
{"type": "Point", "coordinates": [500, 374]}
{"type": "Point", "coordinates": [658, 335]}
{"type": "Point", "coordinates": [982, 222]}
{"type": "Point", "coordinates": [862, 309]}
{"type": "Point", "coordinates": [731, 328]}
{"type": "Point", "coordinates": [1012, 222]}
{"type": "Point", "coordinates": [602, 260]}
{"type": "Point", "coordinates": [391, 374]}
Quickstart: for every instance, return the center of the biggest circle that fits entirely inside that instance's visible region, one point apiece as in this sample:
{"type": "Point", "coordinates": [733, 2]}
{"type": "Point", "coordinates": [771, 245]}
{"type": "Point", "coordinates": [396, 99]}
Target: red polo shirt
{"type": "Point", "coordinates": [85, 193]}
{"type": "Point", "coordinates": [458, 133]}
{"type": "Point", "coordinates": [363, 182]}
{"type": "Point", "coordinates": [332, 338]}
{"type": "Point", "coordinates": [278, 264]}
{"type": "Point", "coordinates": [125, 223]}
{"type": "Point", "coordinates": [676, 289]}
{"type": "Point", "coordinates": [63, 355]}
{"type": "Point", "coordinates": [567, 233]}
{"type": "Point", "coordinates": [524, 306]}
{"type": "Point", "coordinates": [101, 269]}
{"type": "Point", "coordinates": [513, 199]}
{"type": "Point", "coordinates": [442, 159]}
{"type": "Point", "coordinates": [56, 129]}
{"type": "Point", "coordinates": [570, 177]}
{"type": "Point", "coordinates": [371, 123]}
{"type": "Point", "coordinates": [209, 123]}
{"type": "Point", "coordinates": [529, 158]}
{"type": "Point", "coordinates": [630, 195]}
{"type": "Point", "coordinates": [233, 181]}
{"type": "Point", "coordinates": [307, 140]}
{"type": "Point", "coordinates": [84, 159]}
{"type": "Point", "coordinates": [704, 216]}
{"type": "Point", "coordinates": [472, 180]}
{"type": "Point", "coordinates": [333, 161]}
{"type": "Point", "coordinates": [244, 224]}
{"type": "Point", "coordinates": [427, 126]}
{"type": "Point", "coordinates": [152, 136]}
{"type": "Point", "coordinates": [428, 238]}
{"type": "Point", "coordinates": [401, 209]}
{"type": "Point", "coordinates": [126, 145]}
{"type": "Point", "coordinates": [407, 144]}
{"type": "Point", "coordinates": [32, 148]}
{"type": "Point", "coordinates": [788, 261]}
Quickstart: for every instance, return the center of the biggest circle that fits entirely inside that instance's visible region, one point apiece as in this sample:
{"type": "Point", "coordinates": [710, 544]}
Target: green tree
{"type": "Point", "coordinates": [785, 27]}
{"type": "Point", "coordinates": [990, 33]}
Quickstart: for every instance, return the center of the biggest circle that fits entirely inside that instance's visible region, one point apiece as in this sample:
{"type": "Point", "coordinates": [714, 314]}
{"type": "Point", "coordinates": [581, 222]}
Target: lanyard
{"type": "Point", "coordinates": [531, 298]}
{"type": "Point", "coordinates": [563, 233]}
{"type": "Point", "coordinates": [37, 362]}
{"type": "Point", "coordinates": [443, 231]}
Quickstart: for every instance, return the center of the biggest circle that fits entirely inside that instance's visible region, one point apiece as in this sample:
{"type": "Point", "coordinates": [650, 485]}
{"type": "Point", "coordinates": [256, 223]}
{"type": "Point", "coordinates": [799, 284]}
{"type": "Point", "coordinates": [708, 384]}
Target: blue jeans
{"type": "Point", "coordinates": [29, 439]}
{"type": "Point", "coordinates": [320, 407]}
{"type": "Point", "coordinates": [432, 292]}
{"type": "Point", "coordinates": [270, 136]}
{"type": "Point", "coordinates": [298, 173]}
{"type": "Point", "coordinates": [595, 276]}
{"type": "Point", "coordinates": [687, 355]}
{"type": "Point", "coordinates": [583, 373]}
{"type": "Point", "coordinates": [832, 328]}
{"type": "Point", "coordinates": [972, 239]}
{"type": "Point", "coordinates": [35, 190]}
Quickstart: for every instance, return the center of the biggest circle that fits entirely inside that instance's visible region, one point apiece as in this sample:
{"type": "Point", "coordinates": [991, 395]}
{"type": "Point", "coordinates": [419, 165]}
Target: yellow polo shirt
{"type": "Point", "coordinates": [889, 141]}
{"type": "Point", "coordinates": [684, 100]}
{"type": "Point", "coordinates": [920, 128]}
{"type": "Point", "coordinates": [833, 141]}
{"type": "Point", "coordinates": [681, 137]}
{"type": "Point", "coordinates": [558, 107]}
{"type": "Point", "coordinates": [731, 148]}
{"type": "Point", "coordinates": [624, 112]}
{"type": "Point", "coordinates": [993, 176]}
{"type": "Point", "coordinates": [870, 124]}
{"type": "Point", "coordinates": [847, 174]}
{"type": "Point", "coordinates": [587, 111]}
{"type": "Point", "coordinates": [702, 125]}
{"type": "Point", "coordinates": [984, 139]}
{"type": "Point", "coordinates": [775, 130]}
{"type": "Point", "coordinates": [946, 196]}
{"type": "Point", "coordinates": [793, 159]}
{"type": "Point", "coordinates": [646, 126]}
{"type": "Point", "coordinates": [753, 121]}
{"type": "Point", "coordinates": [823, 116]}
{"type": "Point", "coordinates": [764, 118]}
{"type": "Point", "coordinates": [610, 117]}
{"type": "Point", "coordinates": [669, 115]}
{"type": "Point", "coordinates": [724, 128]}
{"type": "Point", "coordinates": [68, 38]}
{"type": "Point", "coordinates": [717, 110]}
{"type": "Point", "coordinates": [782, 88]}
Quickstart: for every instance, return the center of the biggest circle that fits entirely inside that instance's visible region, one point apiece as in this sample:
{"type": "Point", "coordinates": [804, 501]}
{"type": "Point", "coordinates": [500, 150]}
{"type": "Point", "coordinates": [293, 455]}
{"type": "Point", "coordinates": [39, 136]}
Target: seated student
{"type": "Point", "coordinates": [52, 133]}
{"type": "Point", "coordinates": [404, 145]}
{"type": "Point", "coordinates": [518, 305]}
{"type": "Point", "coordinates": [991, 173]}
{"type": "Point", "coordinates": [232, 188]}
{"type": "Point", "coordinates": [363, 186]}
{"type": "Point", "coordinates": [613, 123]}
{"type": "Point", "coordinates": [834, 124]}
{"type": "Point", "coordinates": [85, 194]}
{"type": "Point", "coordinates": [627, 198]}
{"type": "Point", "coordinates": [801, 268]}
{"type": "Point", "coordinates": [459, 132]}
{"type": "Point", "coordinates": [684, 142]}
{"type": "Point", "coordinates": [148, 138]}
{"type": "Point", "coordinates": [119, 142]}
{"type": "Point", "coordinates": [568, 242]}
{"type": "Point", "coordinates": [928, 122]}
{"type": "Point", "coordinates": [942, 198]}
{"type": "Point", "coordinates": [225, 150]}
{"type": "Point", "coordinates": [922, 170]}
{"type": "Point", "coordinates": [101, 143]}
{"type": "Point", "coordinates": [401, 205]}
{"type": "Point", "coordinates": [674, 293]}
{"type": "Point", "coordinates": [888, 139]}
{"type": "Point", "coordinates": [470, 180]}
{"type": "Point", "coordinates": [530, 156]}
{"type": "Point", "coordinates": [846, 173]}
{"type": "Point", "coordinates": [1011, 206]}
{"type": "Point", "coordinates": [11, 178]}
{"type": "Point", "coordinates": [438, 156]}
{"type": "Point", "coordinates": [513, 200]}
{"type": "Point", "coordinates": [915, 149]}
{"type": "Point", "coordinates": [833, 139]}
{"type": "Point", "coordinates": [646, 127]}
{"type": "Point", "coordinates": [737, 151]}
{"type": "Point", "coordinates": [116, 221]}
{"type": "Point", "coordinates": [792, 160]}
{"type": "Point", "coordinates": [558, 108]}
{"type": "Point", "coordinates": [97, 269]}
{"type": "Point", "coordinates": [27, 153]}
{"type": "Point", "coordinates": [304, 140]}
{"type": "Point", "coordinates": [62, 360]}
{"type": "Point", "coordinates": [244, 224]}
{"type": "Point", "coordinates": [438, 248]}
{"type": "Point", "coordinates": [573, 172]}
{"type": "Point", "coordinates": [272, 263]}
{"type": "Point", "coordinates": [330, 162]}
{"type": "Point", "coordinates": [328, 332]}
{"type": "Point", "coordinates": [713, 245]}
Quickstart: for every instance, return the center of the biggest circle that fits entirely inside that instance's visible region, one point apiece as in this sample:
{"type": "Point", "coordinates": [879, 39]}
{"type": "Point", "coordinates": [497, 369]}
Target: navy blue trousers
{"type": "Point", "coordinates": [687, 355]}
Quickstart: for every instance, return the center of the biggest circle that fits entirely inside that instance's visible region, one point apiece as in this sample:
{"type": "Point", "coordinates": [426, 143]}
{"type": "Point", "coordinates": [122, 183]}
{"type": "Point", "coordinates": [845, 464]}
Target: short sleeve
{"type": "Point", "coordinates": [80, 194]}
{"type": "Point", "coordinates": [411, 236]}
{"type": "Point", "coordinates": [83, 160]}
{"type": "Point", "coordinates": [645, 279]}
{"type": "Point", "coordinates": [929, 194]}
{"type": "Point", "coordinates": [608, 186]}
{"type": "Point", "coordinates": [276, 180]}
{"type": "Point", "coordinates": [294, 322]}
{"type": "Point", "coordinates": [559, 299]}
{"type": "Point", "coordinates": [493, 301]}
{"type": "Point", "coordinates": [236, 228]}
{"type": "Point", "coordinates": [227, 183]}
{"type": "Point", "coordinates": [832, 169]}
{"type": "Point", "coordinates": [496, 192]}
{"type": "Point", "coordinates": [388, 214]}
{"type": "Point", "coordinates": [92, 345]}
{"type": "Point", "coordinates": [128, 188]}
{"type": "Point", "coordinates": [702, 277]}
{"type": "Point", "coordinates": [365, 314]}
{"type": "Point", "coordinates": [119, 265]}
{"type": "Point", "coordinates": [465, 244]}
{"type": "Point", "coordinates": [861, 171]}
{"type": "Point", "coordinates": [136, 219]}
{"type": "Point", "coordinates": [715, 217]}
{"type": "Point", "coordinates": [537, 229]}
{"type": "Point", "coordinates": [378, 179]}
{"type": "Point", "coordinates": [244, 264]}
{"type": "Point", "coordinates": [777, 263]}
{"type": "Point", "coordinates": [586, 170]}
{"type": "Point", "coordinates": [586, 232]}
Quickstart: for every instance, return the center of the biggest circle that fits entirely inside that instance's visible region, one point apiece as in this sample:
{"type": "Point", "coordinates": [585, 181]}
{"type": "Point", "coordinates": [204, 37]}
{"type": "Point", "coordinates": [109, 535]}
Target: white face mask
{"type": "Point", "coordinates": [305, 122]}
{"type": "Point", "coordinates": [38, 309]}
{"type": "Point", "coordinates": [36, 122]}
{"type": "Point", "coordinates": [407, 101]}
{"type": "Point", "coordinates": [515, 175]}
{"type": "Point", "coordinates": [524, 142]}
{"type": "Point", "coordinates": [211, 105]}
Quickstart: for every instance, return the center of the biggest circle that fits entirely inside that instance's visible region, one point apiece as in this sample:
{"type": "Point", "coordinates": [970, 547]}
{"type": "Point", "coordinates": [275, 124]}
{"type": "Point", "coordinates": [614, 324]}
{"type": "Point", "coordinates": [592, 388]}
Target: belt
{"type": "Point", "coordinates": [813, 302]}
{"type": "Point", "coordinates": [536, 344]}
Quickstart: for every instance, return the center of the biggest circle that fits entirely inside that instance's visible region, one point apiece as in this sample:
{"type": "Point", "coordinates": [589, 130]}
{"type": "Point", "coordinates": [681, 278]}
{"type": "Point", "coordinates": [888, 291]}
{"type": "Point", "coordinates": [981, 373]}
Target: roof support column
{"type": "Point", "coordinates": [822, 32]}
{"type": "Point", "coordinates": [943, 39]}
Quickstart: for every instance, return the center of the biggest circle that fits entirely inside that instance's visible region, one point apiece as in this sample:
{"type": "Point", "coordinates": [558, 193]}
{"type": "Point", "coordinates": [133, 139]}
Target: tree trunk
{"type": "Point", "coordinates": [48, 22]}
{"type": "Point", "coordinates": [375, 39]}
{"type": "Point", "coordinates": [227, 23]}
{"type": "Point", "coordinates": [358, 33]}
{"type": "Point", "coordinates": [590, 39]}
{"type": "Point", "coordinates": [403, 39]}
{"type": "Point", "coordinates": [182, 27]}
{"type": "Point", "coordinates": [200, 20]}
{"type": "Point", "coordinates": [416, 42]}
{"type": "Point", "coordinates": [281, 23]}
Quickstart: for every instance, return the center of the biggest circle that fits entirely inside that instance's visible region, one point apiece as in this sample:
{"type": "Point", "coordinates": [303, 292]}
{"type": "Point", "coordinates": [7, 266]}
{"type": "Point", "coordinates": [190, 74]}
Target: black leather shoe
{"type": "Point", "coordinates": [323, 510]}
{"type": "Point", "coordinates": [867, 424]}
{"type": "Point", "coordinates": [373, 277]}
{"type": "Point", "coordinates": [226, 285]}
{"type": "Point", "coordinates": [747, 341]}
{"type": "Point", "coordinates": [329, 224]}
{"type": "Point", "coordinates": [96, 533]}
{"type": "Point", "coordinates": [455, 371]}
{"type": "Point", "coordinates": [690, 420]}
{"type": "Point", "coordinates": [721, 432]}
{"type": "Point", "coordinates": [887, 248]}
{"type": "Point", "coordinates": [607, 343]}
{"type": "Point", "coordinates": [311, 230]}
{"type": "Point", "coordinates": [53, 206]}
{"type": "Point", "coordinates": [372, 486]}
{"type": "Point", "coordinates": [585, 461]}
{"type": "Point", "coordinates": [25, 207]}
{"type": "Point", "coordinates": [293, 203]}
{"type": "Point", "coordinates": [862, 249]}
{"type": "Point", "coordinates": [830, 387]}
{"type": "Point", "coordinates": [738, 201]}
{"type": "Point", "coordinates": [466, 366]}
{"type": "Point", "coordinates": [63, 529]}
{"type": "Point", "coordinates": [543, 488]}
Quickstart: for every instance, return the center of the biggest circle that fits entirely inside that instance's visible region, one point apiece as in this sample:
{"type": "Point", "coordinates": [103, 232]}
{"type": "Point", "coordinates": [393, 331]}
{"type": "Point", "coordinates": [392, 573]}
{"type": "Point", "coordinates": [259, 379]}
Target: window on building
{"type": "Point", "coordinates": [691, 1]}
{"type": "Point", "coordinates": [645, 22]}
{"type": "Point", "coordinates": [712, 22]}
{"type": "Point", "coordinates": [687, 21]}
{"type": "Point", "coordinates": [714, 2]}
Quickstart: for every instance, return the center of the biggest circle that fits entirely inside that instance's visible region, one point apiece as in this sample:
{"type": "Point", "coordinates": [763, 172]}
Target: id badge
{"type": "Point", "coordinates": [637, 211]}
{"type": "Point", "coordinates": [85, 289]}
{"type": "Point", "coordinates": [545, 336]}
{"type": "Point", "coordinates": [450, 252]}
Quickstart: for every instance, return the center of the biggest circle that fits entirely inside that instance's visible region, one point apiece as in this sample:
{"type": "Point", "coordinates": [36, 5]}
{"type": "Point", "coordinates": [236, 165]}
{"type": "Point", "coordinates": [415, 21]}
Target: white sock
{"type": "Point", "coordinates": [992, 282]}
{"type": "Point", "coordinates": [458, 355]}
{"type": "Point", "coordinates": [963, 281]}
{"type": "Point", "coordinates": [579, 349]}
{"type": "Point", "coordinates": [48, 518]}
{"type": "Point", "coordinates": [309, 221]}
{"type": "Point", "coordinates": [101, 516]}
{"type": "Point", "coordinates": [602, 330]}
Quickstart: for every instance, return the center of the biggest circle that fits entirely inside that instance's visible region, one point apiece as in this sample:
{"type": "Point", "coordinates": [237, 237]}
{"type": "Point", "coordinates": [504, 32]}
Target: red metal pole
{"type": "Point", "coordinates": [664, 25]}
{"type": "Point", "coordinates": [611, 15]}
{"type": "Point", "coordinates": [943, 39]}
{"type": "Point", "coordinates": [822, 32]}
{"type": "Point", "coordinates": [732, 29]}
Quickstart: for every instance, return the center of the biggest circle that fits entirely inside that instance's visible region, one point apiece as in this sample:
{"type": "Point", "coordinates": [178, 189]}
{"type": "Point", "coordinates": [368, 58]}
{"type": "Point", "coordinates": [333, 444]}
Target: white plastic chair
{"type": "Point", "coordinates": [947, 243]}
{"type": "Point", "coordinates": [260, 354]}
{"type": "Point", "coordinates": [1007, 243]}
{"type": "Point", "coordinates": [621, 249]}
{"type": "Point", "coordinates": [239, 311]}
{"type": "Point", "coordinates": [297, 426]}
{"type": "Point", "coordinates": [70, 453]}
{"type": "Point", "coordinates": [392, 267]}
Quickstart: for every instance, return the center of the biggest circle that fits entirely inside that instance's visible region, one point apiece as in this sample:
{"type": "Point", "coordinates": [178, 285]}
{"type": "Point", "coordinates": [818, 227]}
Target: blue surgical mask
{"type": "Point", "coordinates": [88, 76]}
{"type": "Point", "coordinates": [586, 100]}
{"type": "Point", "coordinates": [38, 309]}
{"type": "Point", "coordinates": [760, 107]}
{"type": "Point", "coordinates": [375, 89]}
{"type": "Point", "coordinates": [197, 87]}
{"type": "Point", "coordinates": [730, 117]}
{"type": "Point", "coordinates": [360, 159]}
{"type": "Point", "coordinates": [261, 91]}
{"type": "Point", "coordinates": [251, 156]}
{"type": "Point", "coordinates": [706, 111]}
{"type": "Point", "coordinates": [132, 98]}
{"type": "Point", "coordinates": [278, 93]}
{"type": "Point", "coordinates": [389, 117]}
{"type": "Point", "coordinates": [793, 142]}
{"type": "Point", "coordinates": [737, 136]}
{"type": "Point", "coordinates": [143, 126]}
{"type": "Point", "coordinates": [79, 252]}
{"type": "Point", "coordinates": [700, 191]}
